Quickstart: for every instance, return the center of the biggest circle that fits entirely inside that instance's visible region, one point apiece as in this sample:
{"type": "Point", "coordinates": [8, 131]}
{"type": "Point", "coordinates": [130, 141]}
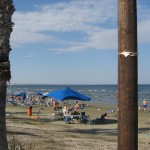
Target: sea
{"type": "Point", "coordinates": [102, 94]}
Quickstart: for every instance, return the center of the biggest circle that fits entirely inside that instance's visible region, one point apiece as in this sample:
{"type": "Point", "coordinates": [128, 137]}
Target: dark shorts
{"type": "Point", "coordinates": [144, 106]}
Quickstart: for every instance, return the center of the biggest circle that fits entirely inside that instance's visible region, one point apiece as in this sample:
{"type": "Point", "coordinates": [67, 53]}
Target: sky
{"type": "Point", "coordinates": [72, 42]}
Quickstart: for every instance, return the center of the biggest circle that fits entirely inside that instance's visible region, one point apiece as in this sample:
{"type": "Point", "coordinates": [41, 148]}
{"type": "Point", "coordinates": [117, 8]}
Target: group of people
{"type": "Point", "coordinates": [71, 113]}
{"type": "Point", "coordinates": [73, 110]}
{"type": "Point", "coordinates": [57, 105]}
{"type": "Point", "coordinates": [145, 105]}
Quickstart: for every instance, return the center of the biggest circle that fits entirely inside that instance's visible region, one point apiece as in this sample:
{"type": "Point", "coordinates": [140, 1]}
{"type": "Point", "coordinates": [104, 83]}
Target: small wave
{"type": "Point", "coordinates": [90, 90]}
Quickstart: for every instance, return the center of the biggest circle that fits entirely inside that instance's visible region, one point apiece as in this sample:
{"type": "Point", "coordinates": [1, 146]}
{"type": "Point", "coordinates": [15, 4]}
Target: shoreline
{"type": "Point", "coordinates": [102, 94]}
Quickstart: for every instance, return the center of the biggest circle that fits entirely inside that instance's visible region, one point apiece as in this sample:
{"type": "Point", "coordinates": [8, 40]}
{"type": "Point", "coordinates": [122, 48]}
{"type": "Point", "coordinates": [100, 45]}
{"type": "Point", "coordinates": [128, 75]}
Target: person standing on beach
{"type": "Point", "coordinates": [54, 105]}
{"type": "Point", "coordinates": [145, 103]}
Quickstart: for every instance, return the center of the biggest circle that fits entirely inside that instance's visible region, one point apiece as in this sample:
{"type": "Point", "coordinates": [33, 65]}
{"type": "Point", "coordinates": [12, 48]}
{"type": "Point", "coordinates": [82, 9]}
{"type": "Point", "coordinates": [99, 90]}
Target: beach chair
{"type": "Point", "coordinates": [84, 118]}
{"type": "Point", "coordinates": [58, 115]}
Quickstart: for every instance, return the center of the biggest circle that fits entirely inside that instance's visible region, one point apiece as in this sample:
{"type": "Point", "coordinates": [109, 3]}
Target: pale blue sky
{"type": "Point", "coordinates": [72, 42]}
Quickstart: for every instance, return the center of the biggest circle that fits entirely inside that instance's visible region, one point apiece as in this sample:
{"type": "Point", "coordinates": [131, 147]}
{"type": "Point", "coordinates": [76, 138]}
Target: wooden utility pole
{"type": "Point", "coordinates": [127, 76]}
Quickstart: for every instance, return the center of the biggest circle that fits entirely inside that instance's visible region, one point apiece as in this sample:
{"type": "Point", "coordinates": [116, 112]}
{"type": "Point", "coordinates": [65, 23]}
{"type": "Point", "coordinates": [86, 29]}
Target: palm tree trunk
{"type": "Point", "coordinates": [6, 11]}
{"type": "Point", "coordinates": [3, 139]}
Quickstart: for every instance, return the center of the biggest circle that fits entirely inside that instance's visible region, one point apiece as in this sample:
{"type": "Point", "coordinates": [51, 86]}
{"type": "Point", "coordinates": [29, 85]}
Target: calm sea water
{"type": "Point", "coordinates": [105, 94]}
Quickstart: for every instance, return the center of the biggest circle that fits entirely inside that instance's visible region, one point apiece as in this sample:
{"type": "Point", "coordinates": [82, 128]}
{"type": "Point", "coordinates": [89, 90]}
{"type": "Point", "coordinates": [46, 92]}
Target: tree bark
{"type": "Point", "coordinates": [127, 76]}
{"type": "Point", "coordinates": [6, 11]}
{"type": "Point", "coordinates": [3, 139]}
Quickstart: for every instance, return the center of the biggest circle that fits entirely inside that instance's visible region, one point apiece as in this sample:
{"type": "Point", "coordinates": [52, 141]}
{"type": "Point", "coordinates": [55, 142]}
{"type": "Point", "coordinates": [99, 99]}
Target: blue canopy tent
{"type": "Point", "coordinates": [67, 93]}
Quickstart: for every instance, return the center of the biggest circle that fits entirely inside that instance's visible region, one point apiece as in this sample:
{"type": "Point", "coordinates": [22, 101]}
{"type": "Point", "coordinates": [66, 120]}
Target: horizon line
{"type": "Point", "coordinates": [70, 84]}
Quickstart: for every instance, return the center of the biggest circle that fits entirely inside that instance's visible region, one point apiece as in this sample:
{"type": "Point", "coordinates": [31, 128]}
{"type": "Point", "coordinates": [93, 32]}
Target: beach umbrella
{"type": "Point", "coordinates": [21, 94]}
{"type": "Point", "coordinates": [66, 94]}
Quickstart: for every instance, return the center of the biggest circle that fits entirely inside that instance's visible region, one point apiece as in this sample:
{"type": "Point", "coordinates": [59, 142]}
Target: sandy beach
{"type": "Point", "coordinates": [49, 134]}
